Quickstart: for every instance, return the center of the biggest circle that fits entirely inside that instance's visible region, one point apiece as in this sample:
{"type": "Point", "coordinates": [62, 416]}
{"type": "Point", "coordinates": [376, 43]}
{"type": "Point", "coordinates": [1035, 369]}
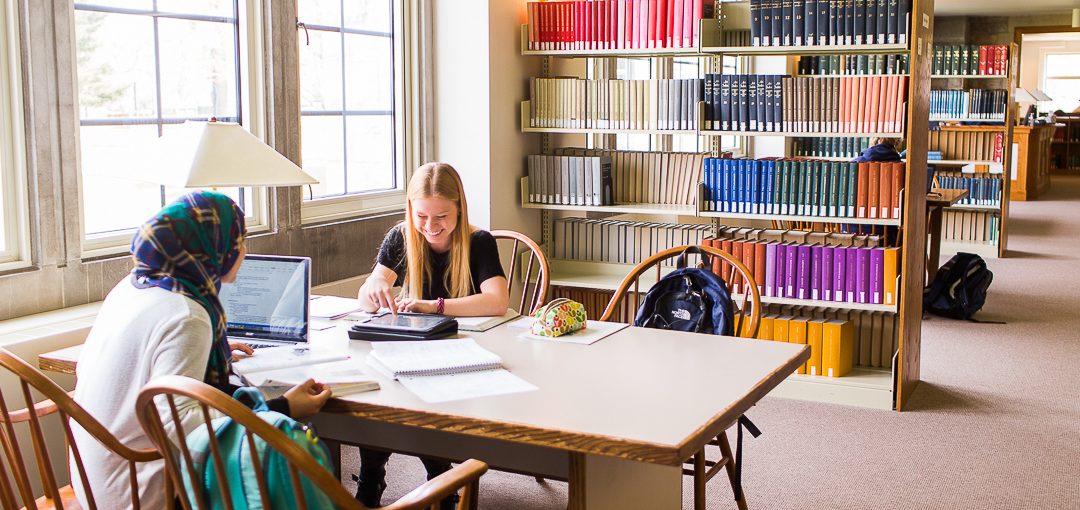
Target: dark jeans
{"type": "Point", "coordinates": [373, 469]}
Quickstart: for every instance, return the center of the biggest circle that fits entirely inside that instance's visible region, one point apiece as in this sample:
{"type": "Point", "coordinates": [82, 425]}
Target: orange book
{"type": "Point", "coordinates": [885, 192]}
{"type": "Point", "coordinates": [843, 104]}
{"type": "Point", "coordinates": [735, 286]}
{"type": "Point", "coordinates": [780, 328]}
{"type": "Point", "coordinates": [716, 267]}
{"type": "Point", "coordinates": [889, 111]}
{"type": "Point", "coordinates": [765, 327]}
{"type": "Point", "coordinates": [898, 175]}
{"type": "Point", "coordinates": [837, 348]}
{"type": "Point", "coordinates": [901, 95]}
{"type": "Point", "coordinates": [759, 266]}
{"type": "Point", "coordinates": [860, 103]}
{"type": "Point", "coordinates": [797, 335]}
{"type": "Point", "coordinates": [748, 261]}
{"type": "Point", "coordinates": [870, 123]}
{"type": "Point", "coordinates": [889, 272]}
{"type": "Point", "coordinates": [873, 187]}
{"type": "Point", "coordinates": [725, 266]}
{"type": "Point", "coordinates": [863, 184]}
{"type": "Point", "coordinates": [814, 340]}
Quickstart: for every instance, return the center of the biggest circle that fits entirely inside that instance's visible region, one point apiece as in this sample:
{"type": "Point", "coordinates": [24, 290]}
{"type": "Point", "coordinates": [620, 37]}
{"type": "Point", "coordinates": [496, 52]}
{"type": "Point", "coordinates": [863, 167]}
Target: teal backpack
{"type": "Point", "coordinates": [240, 471]}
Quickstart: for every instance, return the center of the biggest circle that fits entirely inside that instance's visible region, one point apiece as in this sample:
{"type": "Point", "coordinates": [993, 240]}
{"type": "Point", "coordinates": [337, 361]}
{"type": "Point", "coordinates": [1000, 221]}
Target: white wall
{"type": "Point", "coordinates": [479, 80]}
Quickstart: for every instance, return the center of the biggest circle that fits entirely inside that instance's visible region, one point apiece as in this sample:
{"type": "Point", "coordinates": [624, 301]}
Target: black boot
{"type": "Point", "coordinates": [369, 492]}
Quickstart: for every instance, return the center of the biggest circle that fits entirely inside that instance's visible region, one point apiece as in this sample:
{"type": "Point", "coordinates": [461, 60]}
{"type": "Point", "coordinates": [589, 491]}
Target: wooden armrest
{"type": "Point", "coordinates": [43, 408]}
{"type": "Point", "coordinates": [442, 486]}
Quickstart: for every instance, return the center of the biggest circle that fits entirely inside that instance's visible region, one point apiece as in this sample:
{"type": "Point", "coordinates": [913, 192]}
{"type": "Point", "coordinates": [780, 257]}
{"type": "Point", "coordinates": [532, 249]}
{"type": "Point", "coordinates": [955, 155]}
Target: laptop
{"type": "Point", "coordinates": [267, 305]}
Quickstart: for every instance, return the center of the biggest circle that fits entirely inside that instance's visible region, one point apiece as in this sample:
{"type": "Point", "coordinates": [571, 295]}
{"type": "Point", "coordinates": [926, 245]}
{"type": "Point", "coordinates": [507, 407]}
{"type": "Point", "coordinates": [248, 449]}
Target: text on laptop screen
{"type": "Point", "coordinates": [269, 296]}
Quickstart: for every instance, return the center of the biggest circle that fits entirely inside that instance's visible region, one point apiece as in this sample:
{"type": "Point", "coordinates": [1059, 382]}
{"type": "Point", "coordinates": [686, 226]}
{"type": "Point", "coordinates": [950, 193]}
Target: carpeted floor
{"type": "Point", "coordinates": [995, 422]}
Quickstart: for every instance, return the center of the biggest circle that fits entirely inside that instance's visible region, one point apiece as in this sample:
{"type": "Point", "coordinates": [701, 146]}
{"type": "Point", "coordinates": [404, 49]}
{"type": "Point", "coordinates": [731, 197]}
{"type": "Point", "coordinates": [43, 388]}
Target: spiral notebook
{"type": "Point", "coordinates": [431, 357]}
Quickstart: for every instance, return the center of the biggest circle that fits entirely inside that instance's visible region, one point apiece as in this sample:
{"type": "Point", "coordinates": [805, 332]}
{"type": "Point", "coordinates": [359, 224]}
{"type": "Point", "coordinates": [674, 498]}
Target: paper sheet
{"type": "Point", "coordinates": [593, 332]}
{"type": "Point", "coordinates": [328, 307]}
{"type": "Point", "coordinates": [484, 323]}
{"type": "Point", "coordinates": [445, 388]}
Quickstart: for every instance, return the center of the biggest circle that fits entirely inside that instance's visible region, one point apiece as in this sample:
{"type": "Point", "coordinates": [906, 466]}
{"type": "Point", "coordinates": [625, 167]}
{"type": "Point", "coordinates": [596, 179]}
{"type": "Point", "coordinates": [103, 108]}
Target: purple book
{"type": "Point", "coordinates": [803, 281]}
{"type": "Point", "coordinates": [852, 284]}
{"type": "Point", "coordinates": [877, 265]}
{"type": "Point", "coordinates": [839, 274]}
{"type": "Point", "coordinates": [791, 272]}
{"type": "Point", "coordinates": [862, 280]}
{"type": "Point", "coordinates": [827, 273]}
{"type": "Point", "coordinates": [815, 272]}
{"type": "Point", "coordinates": [770, 270]}
{"type": "Point", "coordinates": [781, 273]}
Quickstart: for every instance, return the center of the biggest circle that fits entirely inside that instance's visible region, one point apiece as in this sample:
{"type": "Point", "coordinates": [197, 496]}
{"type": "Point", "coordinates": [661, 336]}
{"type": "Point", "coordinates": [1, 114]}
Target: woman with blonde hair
{"type": "Point", "coordinates": [443, 265]}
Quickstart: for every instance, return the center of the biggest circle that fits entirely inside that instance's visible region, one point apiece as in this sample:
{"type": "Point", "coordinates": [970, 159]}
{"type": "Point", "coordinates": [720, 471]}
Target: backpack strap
{"type": "Point", "coordinates": [754, 431]}
{"type": "Point", "coordinates": [706, 257]}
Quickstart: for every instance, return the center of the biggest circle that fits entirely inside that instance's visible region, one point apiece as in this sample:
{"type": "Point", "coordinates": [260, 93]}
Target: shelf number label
{"type": "Point", "coordinates": [925, 20]}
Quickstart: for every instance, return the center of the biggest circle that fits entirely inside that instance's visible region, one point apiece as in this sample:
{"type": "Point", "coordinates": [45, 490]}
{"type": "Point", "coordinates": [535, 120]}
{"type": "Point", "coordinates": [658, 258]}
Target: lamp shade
{"type": "Point", "coordinates": [1021, 95]}
{"type": "Point", "coordinates": [222, 154]}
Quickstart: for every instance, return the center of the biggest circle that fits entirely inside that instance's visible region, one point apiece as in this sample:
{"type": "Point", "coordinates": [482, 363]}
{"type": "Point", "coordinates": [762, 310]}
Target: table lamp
{"type": "Point", "coordinates": [221, 154]}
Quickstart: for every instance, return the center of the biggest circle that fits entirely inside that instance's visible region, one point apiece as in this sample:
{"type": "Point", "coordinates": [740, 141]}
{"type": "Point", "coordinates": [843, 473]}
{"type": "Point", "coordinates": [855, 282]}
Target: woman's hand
{"type": "Point", "coordinates": [306, 399]}
{"type": "Point", "coordinates": [239, 346]}
{"type": "Point", "coordinates": [376, 293]}
{"type": "Point", "coordinates": [417, 305]}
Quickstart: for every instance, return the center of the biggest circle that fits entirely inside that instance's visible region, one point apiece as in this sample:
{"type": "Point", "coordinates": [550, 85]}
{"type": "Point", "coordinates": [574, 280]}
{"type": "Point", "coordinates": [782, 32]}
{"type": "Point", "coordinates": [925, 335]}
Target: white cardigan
{"type": "Point", "coordinates": [138, 335]}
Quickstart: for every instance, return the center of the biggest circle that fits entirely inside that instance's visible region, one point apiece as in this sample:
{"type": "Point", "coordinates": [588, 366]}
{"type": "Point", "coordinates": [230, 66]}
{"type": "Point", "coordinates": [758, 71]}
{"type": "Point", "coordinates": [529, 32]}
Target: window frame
{"type": "Point", "coordinates": [407, 40]}
{"type": "Point", "coordinates": [253, 118]}
{"type": "Point", "coordinates": [13, 166]}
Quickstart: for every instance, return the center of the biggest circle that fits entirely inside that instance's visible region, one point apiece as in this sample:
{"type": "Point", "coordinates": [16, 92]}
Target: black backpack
{"type": "Point", "coordinates": [688, 299]}
{"type": "Point", "coordinates": [959, 287]}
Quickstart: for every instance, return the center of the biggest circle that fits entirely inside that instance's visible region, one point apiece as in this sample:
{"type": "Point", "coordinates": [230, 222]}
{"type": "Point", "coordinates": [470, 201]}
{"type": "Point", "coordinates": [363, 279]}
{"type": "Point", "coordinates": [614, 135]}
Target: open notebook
{"type": "Point", "coordinates": [432, 357]}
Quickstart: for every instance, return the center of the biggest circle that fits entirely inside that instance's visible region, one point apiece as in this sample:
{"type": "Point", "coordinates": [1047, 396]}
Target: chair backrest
{"type": "Point", "coordinates": [530, 300]}
{"type": "Point", "coordinates": [747, 303]}
{"type": "Point", "coordinates": [32, 421]}
{"type": "Point", "coordinates": [169, 389]}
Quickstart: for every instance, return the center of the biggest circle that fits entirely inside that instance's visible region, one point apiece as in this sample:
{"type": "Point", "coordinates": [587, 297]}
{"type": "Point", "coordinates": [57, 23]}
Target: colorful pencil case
{"type": "Point", "coordinates": [559, 317]}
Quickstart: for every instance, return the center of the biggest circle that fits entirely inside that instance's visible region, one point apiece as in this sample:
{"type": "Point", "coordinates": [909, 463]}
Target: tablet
{"type": "Point", "coordinates": [405, 322]}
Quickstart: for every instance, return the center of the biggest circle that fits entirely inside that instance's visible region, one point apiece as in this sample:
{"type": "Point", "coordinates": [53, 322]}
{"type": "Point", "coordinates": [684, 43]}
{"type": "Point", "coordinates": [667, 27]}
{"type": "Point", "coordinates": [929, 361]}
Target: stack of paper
{"type": "Point", "coordinates": [343, 377]}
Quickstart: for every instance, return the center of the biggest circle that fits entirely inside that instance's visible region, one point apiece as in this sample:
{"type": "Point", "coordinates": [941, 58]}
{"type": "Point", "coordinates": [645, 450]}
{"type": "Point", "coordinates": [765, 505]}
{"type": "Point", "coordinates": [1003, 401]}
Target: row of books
{"type": "Point", "coordinates": [974, 104]}
{"type": "Point", "coordinates": [832, 342]}
{"type": "Point", "coordinates": [830, 147]}
{"type": "Point", "coordinates": [853, 64]}
{"type": "Point", "coordinates": [804, 104]}
{"type": "Point", "coordinates": [616, 24]}
{"type": "Point", "coordinates": [829, 22]}
{"type": "Point", "coordinates": [804, 188]}
{"type": "Point", "coordinates": [957, 144]}
{"type": "Point", "coordinates": [874, 332]}
{"type": "Point", "coordinates": [977, 227]}
{"type": "Point", "coordinates": [614, 104]}
{"type": "Point", "coordinates": [840, 274]}
{"type": "Point", "coordinates": [970, 59]}
{"type": "Point", "coordinates": [981, 190]}
{"type": "Point", "coordinates": [651, 177]}
{"type": "Point", "coordinates": [619, 241]}
{"type": "Point", "coordinates": [570, 180]}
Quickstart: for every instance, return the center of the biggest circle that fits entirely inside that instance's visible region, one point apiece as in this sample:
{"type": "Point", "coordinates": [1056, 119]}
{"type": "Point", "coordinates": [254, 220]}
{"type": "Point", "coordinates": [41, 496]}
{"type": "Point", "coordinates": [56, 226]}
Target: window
{"type": "Point", "coordinates": [13, 215]}
{"type": "Point", "coordinates": [352, 118]}
{"type": "Point", "coordinates": [1061, 82]}
{"type": "Point", "coordinates": [694, 68]}
{"type": "Point", "coordinates": [144, 67]}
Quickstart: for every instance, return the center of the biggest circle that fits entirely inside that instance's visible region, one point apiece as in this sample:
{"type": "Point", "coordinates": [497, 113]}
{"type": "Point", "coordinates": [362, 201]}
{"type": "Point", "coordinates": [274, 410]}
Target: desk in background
{"type": "Point", "coordinates": [616, 418]}
{"type": "Point", "coordinates": [936, 201]}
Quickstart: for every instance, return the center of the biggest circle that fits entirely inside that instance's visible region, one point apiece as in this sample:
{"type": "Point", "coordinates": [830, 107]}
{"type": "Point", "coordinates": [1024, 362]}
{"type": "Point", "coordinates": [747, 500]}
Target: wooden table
{"type": "Point", "coordinates": [616, 418]}
{"type": "Point", "coordinates": [936, 202]}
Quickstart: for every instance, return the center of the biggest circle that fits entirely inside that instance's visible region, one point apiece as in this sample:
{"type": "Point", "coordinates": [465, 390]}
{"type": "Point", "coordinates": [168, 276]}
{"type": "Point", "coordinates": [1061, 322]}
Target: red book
{"type": "Point", "coordinates": [677, 24]}
{"type": "Point", "coordinates": [862, 194]}
{"type": "Point", "coordinates": [725, 266]}
{"type": "Point", "coordinates": [662, 8]}
{"type": "Point", "coordinates": [982, 59]}
{"type": "Point", "coordinates": [759, 266]}
{"type": "Point", "coordinates": [631, 25]}
{"type": "Point", "coordinates": [652, 24]}
{"type": "Point", "coordinates": [992, 59]}
{"type": "Point", "coordinates": [885, 191]}
{"type": "Point", "coordinates": [737, 252]}
{"type": "Point", "coordinates": [688, 23]}
{"type": "Point", "coordinates": [717, 267]}
{"type": "Point", "coordinates": [999, 147]}
{"type": "Point", "coordinates": [873, 189]}
{"type": "Point", "coordinates": [1003, 59]}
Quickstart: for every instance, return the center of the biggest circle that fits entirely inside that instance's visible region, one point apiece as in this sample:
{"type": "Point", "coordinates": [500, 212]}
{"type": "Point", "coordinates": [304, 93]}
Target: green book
{"type": "Point", "coordinates": [825, 200]}
{"type": "Point", "coordinates": [790, 185]}
{"type": "Point", "coordinates": [840, 178]}
{"type": "Point", "coordinates": [852, 187]}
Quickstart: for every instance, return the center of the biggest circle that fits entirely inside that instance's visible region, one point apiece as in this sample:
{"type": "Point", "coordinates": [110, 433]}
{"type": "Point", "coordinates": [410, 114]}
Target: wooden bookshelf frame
{"type": "Point", "coordinates": [881, 388]}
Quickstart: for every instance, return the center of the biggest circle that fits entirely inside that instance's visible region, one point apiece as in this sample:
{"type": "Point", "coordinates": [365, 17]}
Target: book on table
{"type": "Point", "coordinates": [432, 357]}
{"type": "Point", "coordinates": [485, 323]}
{"type": "Point", "coordinates": [343, 377]}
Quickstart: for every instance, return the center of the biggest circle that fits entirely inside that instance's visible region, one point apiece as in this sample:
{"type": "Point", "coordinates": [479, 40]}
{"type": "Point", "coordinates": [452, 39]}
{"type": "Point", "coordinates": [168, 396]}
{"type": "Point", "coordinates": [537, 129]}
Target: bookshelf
{"type": "Point", "coordinates": [1065, 145]}
{"type": "Point", "coordinates": [974, 149]}
{"type": "Point", "coordinates": [886, 387]}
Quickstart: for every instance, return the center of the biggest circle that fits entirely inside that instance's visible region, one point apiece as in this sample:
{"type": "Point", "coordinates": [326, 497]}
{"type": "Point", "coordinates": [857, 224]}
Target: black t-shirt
{"type": "Point", "coordinates": [483, 261]}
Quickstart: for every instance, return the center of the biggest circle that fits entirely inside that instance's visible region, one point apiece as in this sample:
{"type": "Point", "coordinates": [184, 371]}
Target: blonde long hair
{"type": "Point", "coordinates": [442, 181]}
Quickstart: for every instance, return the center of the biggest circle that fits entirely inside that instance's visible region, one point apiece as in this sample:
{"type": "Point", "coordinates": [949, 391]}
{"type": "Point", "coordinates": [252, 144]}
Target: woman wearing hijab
{"type": "Point", "coordinates": [165, 319]}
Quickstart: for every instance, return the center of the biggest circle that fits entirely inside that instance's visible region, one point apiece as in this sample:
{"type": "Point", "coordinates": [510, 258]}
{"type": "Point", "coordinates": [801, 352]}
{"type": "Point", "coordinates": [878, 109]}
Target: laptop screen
{"type": "Point", "coordinates": [269, 299]}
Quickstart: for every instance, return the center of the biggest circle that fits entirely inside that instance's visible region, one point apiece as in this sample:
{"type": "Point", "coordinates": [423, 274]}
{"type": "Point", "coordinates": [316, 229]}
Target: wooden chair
{"type": "Point", "coordinates": [427, 496]}
{"type": "Point", "coordinates": [747, 317]}
{"type": "Point", "coordinates": [31, 420]}
{"type": "Point", "coordinates": [521, 243]}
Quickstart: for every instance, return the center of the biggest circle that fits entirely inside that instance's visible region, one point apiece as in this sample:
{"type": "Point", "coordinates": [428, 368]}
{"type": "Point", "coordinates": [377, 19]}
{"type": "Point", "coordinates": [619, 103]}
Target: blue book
{"type": "Point", "coordinates": [770, 170]}
{"type": "Point", "coordinates": [755, 186]}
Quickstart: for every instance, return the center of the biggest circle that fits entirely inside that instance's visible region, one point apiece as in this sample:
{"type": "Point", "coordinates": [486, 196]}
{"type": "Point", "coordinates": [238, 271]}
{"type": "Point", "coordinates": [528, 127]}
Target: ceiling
{"type": "Point", "coordinates": [1006, 8]}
